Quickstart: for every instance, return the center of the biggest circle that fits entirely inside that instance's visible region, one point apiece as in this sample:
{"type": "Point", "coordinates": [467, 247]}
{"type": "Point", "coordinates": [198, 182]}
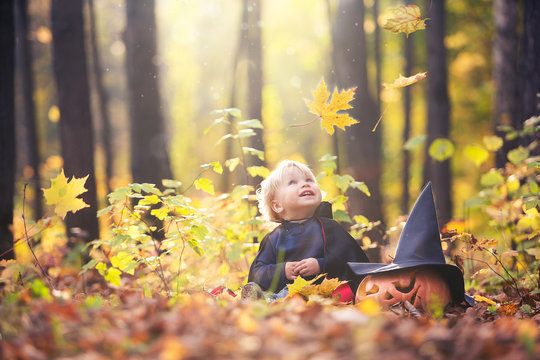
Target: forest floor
{"type": "Point", "coordinates": [105, 322]}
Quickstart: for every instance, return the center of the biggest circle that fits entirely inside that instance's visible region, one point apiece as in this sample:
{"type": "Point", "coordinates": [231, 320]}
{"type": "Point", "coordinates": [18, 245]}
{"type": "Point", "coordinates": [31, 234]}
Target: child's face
{"type": "Point", "coordinates": [297, 196]}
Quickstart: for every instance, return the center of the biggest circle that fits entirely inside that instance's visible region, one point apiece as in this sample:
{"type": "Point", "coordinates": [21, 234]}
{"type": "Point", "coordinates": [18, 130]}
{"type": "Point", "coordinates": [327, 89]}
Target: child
{"type": "Point", "coordinates": [307, 242]}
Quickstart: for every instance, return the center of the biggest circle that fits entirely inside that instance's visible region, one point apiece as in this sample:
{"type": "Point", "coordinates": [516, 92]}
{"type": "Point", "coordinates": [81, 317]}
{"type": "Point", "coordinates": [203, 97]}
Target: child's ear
{"type": "Point", "coordinates": [276, 206]}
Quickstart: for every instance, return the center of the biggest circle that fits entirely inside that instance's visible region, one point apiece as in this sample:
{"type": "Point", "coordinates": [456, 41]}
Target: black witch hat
{"type": "Point", "coordinates": [420, 246]}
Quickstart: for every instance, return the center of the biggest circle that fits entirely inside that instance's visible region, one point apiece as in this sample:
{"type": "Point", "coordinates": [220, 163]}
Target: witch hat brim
{"type": "Point", "coordinates": [420, 246]}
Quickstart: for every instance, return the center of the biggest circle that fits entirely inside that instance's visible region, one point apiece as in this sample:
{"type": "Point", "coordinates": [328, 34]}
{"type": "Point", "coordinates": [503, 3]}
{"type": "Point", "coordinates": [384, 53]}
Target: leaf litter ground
{"type": "Point", "coordinates": [110, 322]}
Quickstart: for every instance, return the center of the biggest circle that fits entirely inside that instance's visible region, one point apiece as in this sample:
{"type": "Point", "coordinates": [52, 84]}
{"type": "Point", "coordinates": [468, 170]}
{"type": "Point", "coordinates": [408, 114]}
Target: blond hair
{"type": "Point", "coordinates": [269, 187]}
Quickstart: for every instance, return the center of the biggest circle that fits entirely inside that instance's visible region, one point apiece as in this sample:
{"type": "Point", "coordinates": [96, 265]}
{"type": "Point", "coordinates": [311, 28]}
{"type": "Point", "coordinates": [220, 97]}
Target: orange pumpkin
{"type": "Point", "coordinates": [419, 286]}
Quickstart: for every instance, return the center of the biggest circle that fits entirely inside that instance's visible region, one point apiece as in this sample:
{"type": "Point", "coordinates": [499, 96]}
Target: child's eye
{"type": "Point", "coordinates": [292, 182]}
{"type": "Point", "coordinates": [309, 180]}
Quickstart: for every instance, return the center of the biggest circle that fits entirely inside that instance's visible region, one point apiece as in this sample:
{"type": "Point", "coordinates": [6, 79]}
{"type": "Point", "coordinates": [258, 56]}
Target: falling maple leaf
{"type": "Point", "coordinates": [405, 19]}
{"type": "Point", "coordinates": [328, 111]}
{"type": "Point", "coordinates": [403, 81]}
{"type": "Point", "coordinates": [63, 194]}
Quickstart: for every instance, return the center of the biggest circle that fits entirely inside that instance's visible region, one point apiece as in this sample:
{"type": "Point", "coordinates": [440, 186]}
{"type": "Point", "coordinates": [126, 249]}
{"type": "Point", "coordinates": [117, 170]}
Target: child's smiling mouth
{"type": "Point", "coordinates": [307, 193]}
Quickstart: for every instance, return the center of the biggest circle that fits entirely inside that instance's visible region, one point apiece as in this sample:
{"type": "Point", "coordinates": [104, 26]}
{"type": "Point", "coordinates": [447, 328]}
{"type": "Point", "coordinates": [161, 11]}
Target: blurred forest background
{"type": "Point", "coordinates": [124, 90]}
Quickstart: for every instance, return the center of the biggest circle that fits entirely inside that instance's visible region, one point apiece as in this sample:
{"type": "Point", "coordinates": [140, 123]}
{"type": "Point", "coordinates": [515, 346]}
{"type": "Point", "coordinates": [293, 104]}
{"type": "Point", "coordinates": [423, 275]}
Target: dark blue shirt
{"type": "Point", "coordinates": [289, 242]}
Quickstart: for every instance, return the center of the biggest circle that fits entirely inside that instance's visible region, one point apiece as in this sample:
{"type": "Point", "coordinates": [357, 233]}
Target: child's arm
{"type": "Point", "coordinates": [265, 268]}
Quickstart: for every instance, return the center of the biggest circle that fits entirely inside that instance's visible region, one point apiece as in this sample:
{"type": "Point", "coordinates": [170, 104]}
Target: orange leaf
{"type": "Point", "coordinates": [328, 111]}
{"type": "Point", "coordinates": [402, 81]}
{"type": "Point", "coordinates": [405, 19]}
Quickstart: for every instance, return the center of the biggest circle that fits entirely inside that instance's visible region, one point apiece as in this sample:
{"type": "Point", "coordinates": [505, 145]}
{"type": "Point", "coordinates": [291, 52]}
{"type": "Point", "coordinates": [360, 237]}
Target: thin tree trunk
{"type": "Point", "coordinates": [332, 81]}
{"type": "Point", "coordinates": [505, 72]}
{"type": "Point", "coordinates": [363, 145]}
{"type": "Point", "coordinates": [103, 98]}
{"type": "Point", "coordinates": [24, 55]}
{"type": "Point", "coordinates": [377, 52]}
{"type": "Point", "coordinates": [76, 133]}
{"type": "Point", "coordinates": [438, 110]}
{"type": "Point", "coordinates": [255, 77]}
{"type": "Point", "coordinates": [149, 156]}
{"type": "Point", "coordinates": [409, 61]}
{"type": "Point", "coordinates": [240, 51]}
{"type": "Point", "coordinates": [530, 63]}
{"type": "Point", "coordinates": [7, 127]}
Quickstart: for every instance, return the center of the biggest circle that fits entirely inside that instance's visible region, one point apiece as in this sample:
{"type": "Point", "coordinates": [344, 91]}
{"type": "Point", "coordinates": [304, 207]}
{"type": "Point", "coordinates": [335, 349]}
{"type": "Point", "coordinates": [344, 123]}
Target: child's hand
{"type": "Point", "coordinates": [307, 267]}
{"type": "Point", "coordinates": [290, 274]}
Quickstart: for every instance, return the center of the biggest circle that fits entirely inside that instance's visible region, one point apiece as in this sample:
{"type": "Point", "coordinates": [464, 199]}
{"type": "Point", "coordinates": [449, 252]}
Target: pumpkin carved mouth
{"type": "Point", "coordinates": [418, 286]}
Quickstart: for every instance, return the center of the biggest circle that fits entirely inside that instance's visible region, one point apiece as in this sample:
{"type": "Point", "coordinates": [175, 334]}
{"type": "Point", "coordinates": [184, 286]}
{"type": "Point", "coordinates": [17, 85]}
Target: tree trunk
{"type": "Point", "coordinates": [255, 78]}
{"type": "Point", "coordinates": [7, 127]}
{"type": "Point", "coordinates": [409, 60]}
{"type": "Point", "coordinates": [227, 177]}
{"type": "Point", "coordinates": [505, 76]}
{"type": "Point", "coordinates": [76, 133]}
{"type": "Point", "coordinates": [438, 110]}
{"type": "Point", "coordinates": [24, 55]}
{"type": "Point", "coordinates": [103, 98]}
{"type": "Point", "coordinates": [530, 63]}
{"type": "Point", "coordinates": [363, 146]}
{"type": "Point", "coordinates": [149, 156]}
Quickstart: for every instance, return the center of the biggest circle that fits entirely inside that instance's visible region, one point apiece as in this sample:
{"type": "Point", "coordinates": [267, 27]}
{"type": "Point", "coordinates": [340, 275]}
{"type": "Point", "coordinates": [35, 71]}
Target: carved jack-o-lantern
{"type": "Point", "coordinates": [419, 286]}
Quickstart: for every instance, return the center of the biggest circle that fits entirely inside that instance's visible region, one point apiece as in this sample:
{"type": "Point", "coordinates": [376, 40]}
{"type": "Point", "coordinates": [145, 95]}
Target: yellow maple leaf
{"type": "Point", "coordinates": [328, 111]}
{"type": "Point", "coordinates": [327, 287]}
{"type": "Point", "coordinates": [403, 81]}
{"type": "Point", "coordinates": [63, 194]}
{"type": "Point", "coordinates": [302, 286]}
{"type": "Point", "coordinates": [405, 19]}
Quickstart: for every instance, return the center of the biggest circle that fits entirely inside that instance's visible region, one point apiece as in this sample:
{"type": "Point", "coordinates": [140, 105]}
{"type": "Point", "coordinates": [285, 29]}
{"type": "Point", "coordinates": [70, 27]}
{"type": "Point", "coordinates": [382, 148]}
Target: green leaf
{"type": "Point", "coordinates": [118, 195]}
{"type": "Point", "coordinates": [255, 152]}
{"type": "Point", "coordinates": [328, 157]}
{"type": "Point", "coordinates": [360, 185]}
{"type": "Point", "coordinates": [533, 186]}
{"type": "Point", "coordinates": [199, 232]}
{"type": "Point", "coordinates": [361, 220]}
{"type": "Point", "coordinates": [441, 149]}
{"type": "Point", "coordinates": [205, 185]}
{"type": "Point", "coordinates": [124, 261]}
{"type": "Point", "coordinates": [234, 112]}
{"type": "Point", "coordinates": [232, 163]}
{"type": "Point", "coordinates": [535, 164]}
{"type": "Point", "coordinates": [39, 290]}
{"type": "Point", "coordinates": [218, 121]}
{"type": "Point", "coordinates": [113, 276]}
{"type": "Point", "coordinates": [530, 204]}
{"type": "Point", "coordinates": [476, 153]}
{"type": "Point", "coordinates": [150, 188]}
{"type": "Point", "coordinates": [343, 181]}
{"type": "Point", "coordinates": [215, 165]}
{"type": "Point", "coordinates": [518, 155]}
{"type": "Point", "coordinates": [89, 265]}
{"type": "Point", "coordinates": [492, 178]}
{"type": "Point", "coordinates": [342, 216]}
{"type": "Point", "coordinates": [107, 210]}
{"type": "Point", "coordinates": [168, 183]}
{"type": "Point", "coordinates": [149, 200]}
{"type": "Point", "coordinates": [244, 133]}
{"type": "Point", "coordinates": [493, 143]}
{"type": "Point", "coordinates": [261, 171]}
{"type": "Point", "coordinates": [527, 309]}
{"type": "Point", "coordinates": [252, 124]}
{"type": "Point", "coordinates": [194, 244]}
{"type": "Point", "coordinates": [414, 142]}
{"type": "Point", "coordinates": [161, 213]}
{"type": "Point", "coordinates": [101, 268]}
